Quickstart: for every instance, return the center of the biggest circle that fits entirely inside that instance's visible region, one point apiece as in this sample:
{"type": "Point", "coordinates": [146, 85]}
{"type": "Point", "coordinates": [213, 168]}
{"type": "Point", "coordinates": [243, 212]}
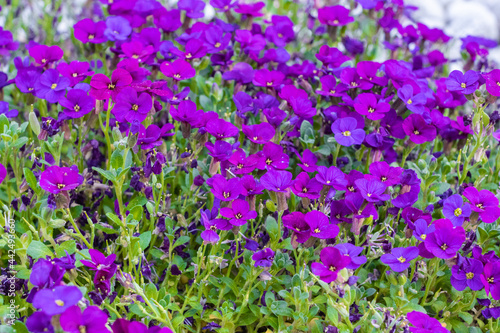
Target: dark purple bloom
{"type": "Point", "coordinates": [332, 262]}
{"type": "Point", "coordinates": [220, 150]}
{"type": "Point", "coordinates": [131, 106]}
{"type": "Point", "coordinates": [320, 225]}
{"type": "Point", "coordinates": [465, 83]}
{"type": "Point", "coordinates": [92, 320]}
{"type": "Point", "coordinates": [239, 213]}
{"type": "Point", "coordinates": [50, 86]}
{"type": "Point", "coordinates": [39, 322]}
{"type": "Point", "coordinates": [193, 8]}
{"type": "Point", "coordinates": [400, 257]}
{"type": "Point", "coordinates": [296, 222]}
{"type": "Point", "coordinates": [212, 225]}
{"type": "Point", "coordinates": [4, 109]}
{"type": "Point", "coordinates": [263, 258]}
{"type": "Point", "coordinates": [467, 274]}
{"type": "Point", "coordinates": [222, 129]}
{"type": "Point", "coordinates": [56, 179]}
{"type": "Point", "coordinates": [483, 202]}
{"type": "Point", "coordinates": [77, 103]}
{"type": "Point", "coordinates": [372, 190]}
{"type": "Point", "coordinates": [455, 210]}
{"type": "Point", "coordinates": [57, 300]}
{"type": "Point", "coordinates": [329, 86]}
{"type": "Point", "coordinates": [347, 133]}
{"type": "Point", "coordinates": [418, 130]}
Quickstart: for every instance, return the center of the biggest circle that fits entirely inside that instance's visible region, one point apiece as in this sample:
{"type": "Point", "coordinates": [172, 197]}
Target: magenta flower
{"type": "Point", "coordinates": [56, 179]}
{"type": "Point", "coordinates": [418, 130]}
{"type": "Point", "coordinates": [212, 225]}
{"type": "Point", "coordinates": [445, 241]}
{"type": "Point", "coordinates": [88, 31]}
{"type": "Point", "coordinates": [347, 133]}
{"type": "Point", "coordinates": [367, 70]}
{"type": "Point", "coordinates": [92, 320]}
{"type": "Point", "coordinates": [372, 190]}
{"type": "Point", "coordinates": [491, 279]}
{"type": "Point", "coordinates": [305, 187]}
{"type": "Point", "coordinates": [76, 71]}
{"type": "Point", "coordinates": [194, 49]}
{"type": "Point", "coordinates": [383, 172]}
{"type": "Point", "coordinates": [332, 262]}
{"type": "Point", "coordinates": [250, 9]}
{"type": "Point", "coordinates": [77, 103]}
{"type": "Point", "coordinates": [455, 210]}
{"type": "Point", "coordinates": [223, 189]}
{"type": "Point", "coordinates": [103, 88]}
{"type": "Point", "coordinates": [99, 261]}
{"type": "Point", "coordinates": [493, 82]}
{"type": "Point", "coordinates": [368, 105]}
{"type": "Point", "coordinates": [273, 157]}
{"type": "Point", "coordinates": [352, 80]}
{"type": "Point", "coordinates": [263, 258]}
{"type": "Point", "coordinates": [331, 56]}
{"type": "Point", "coordinates": [58, 300]}
{"type": "Point", "coordinates": [45, 55]}
{"type": "Point", "coordinates": [353, 252]}
{"type": "Point", "coordinates": [276, 181]}
{"type": "Point", "coordinates": [483, 202]}
{"type": "Point", "coordinates": [131, 106]}
{"type": "Point", "coordinates": [267, 78]}
{"type": "Point", "coordinates": [239, 213]}
{"type": "Point", "coordinates": [178, 70]}
{"type": "Point", "coordinates": [465, 83]}
{"type": "Point", "coordinates": [400, 257]}
{"type": "Point", "coordinates": [186, 112]}
{"type": "Point", "coordinates": [241, 163]}
{"type": "Point", "coordinates": [220, 150]}
{"type": "Point", "coordinates": [320, 225]}
{"type": "Point", "coordinates": [422, 323]}
{"type": "Point", "coordinates": [259, 133]}
{"type": "Point", "coordinates": [308, 161]}
{"type": "Point", "coordinates": [3, 173]}
{"type": "Point", "coordinates": [222, 129]}
{"type": "Point", "coordinates": [332, 176]}
{"type": "Point", "coordinates": [295, 221]}
{"type": "Point", "coordinates": [50, 86]}
{"type": "Point", "coordinates": [329, 87]}
{"type": "Point", "coordinates": [334, 15]}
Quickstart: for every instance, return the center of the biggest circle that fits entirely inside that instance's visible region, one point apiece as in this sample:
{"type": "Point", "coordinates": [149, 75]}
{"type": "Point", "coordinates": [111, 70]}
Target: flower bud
{"type": "Point", "coordinates": [34, 123]}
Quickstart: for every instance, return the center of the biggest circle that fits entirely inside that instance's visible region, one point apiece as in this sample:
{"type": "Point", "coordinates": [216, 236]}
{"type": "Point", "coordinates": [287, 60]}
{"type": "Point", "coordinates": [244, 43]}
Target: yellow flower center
{"type": "Point", "coordinates": [469, 275]}
{"type": "Point", "coordinates": [75, 74]}
{"type": "Point", "coordinates": [76, 108]}
{"type": "Point", "coordinates": [217, 44]}
{"type": "Point", "coordinates": [226, 194]}
{"type": "Point", "coordinates": [54, 85]}
{"type": "Point", "coordinates": [458, 212]}
{"type": "Point", "coordinates": [177, 76]}
{"type": "Point", "coordinates": [188, 56]}
{"type": "Point", "coordinates": [238, 216]}
{"type": "Point", "coordinates": [402, 259]}
{"type": "Point", "coordinates": [424, 236]}
{"type": "Point", "coordinates": [317, 231]}
{"type": "Point", "coordinates": [416, 132]}
{"type": "Point", "coordinates": [111, 86]}
{"type": "Point", "coordinates": [59, 302]}
{"type": "Point", "coordinates": [371, 110]}
{"type": "Point", "coordinates": [91, 37]}
{"type": "Point", "coordinates": [346, 133]}
{"type": "Point", "coordinates": [463, 85]}
{"type": "Point", "coordinates": [135, 107]}
{"type": "Point", "coordinates": [444, 247]}
{"type": "Point", "coordinates": [270, 83]}
{"type": "Point", "coordinates": [61, 186]}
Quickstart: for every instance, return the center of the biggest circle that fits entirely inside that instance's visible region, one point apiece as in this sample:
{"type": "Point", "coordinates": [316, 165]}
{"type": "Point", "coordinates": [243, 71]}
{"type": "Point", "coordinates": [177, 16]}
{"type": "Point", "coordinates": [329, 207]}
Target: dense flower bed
{"type": "Point", "coordinates": [287, 166]}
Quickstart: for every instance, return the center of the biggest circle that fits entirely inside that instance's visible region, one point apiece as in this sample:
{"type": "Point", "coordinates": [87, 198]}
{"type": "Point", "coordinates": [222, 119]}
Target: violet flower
{"type": "Point", "coordinates": [267, 78]}
{"type": "Point", "coordinates": [483, 202]}
{"type": "Point", "coordinates": [131, 106]}
{"type": "Point", "coordinates": [223, 189]}
{"type": "Point", "coordinates": [422, 323]}
{"type": "Point", "coordinates": [400, 257]}
{"type": "Point", "coordinates": [88, 31]}
{"type": "Point", "coordinates": [347, 133]}
{"type": "Point", "coordinates": [263, 258]}
{"type": "Point", "coordinates": [39, 322]}
{"type": "Point", "coordinates": [445, 241]}
{"type": "Point", "coordinates": [465, 83]}
{"type": "Point", "coordinates": [491, 279]}
{"type": "Point", "coordinates": [259, 133]}
{"type": "Point", "coordinates": [301, 230]}
{"type": "Point", "coordinates": [56, 179]}
{"type": "Point", "coordinates": [77, 103]}
{"type": "Point", "coordinates": [353, 252]}
{"type": "Point", "coordinates": [331, 176]}
{"type": "Point", "coordinates": [92, 320]}
{"type": "Point", "coordinates": [117, 28]}
{"type": "Point", "coordinates": [103, 88]}
{"type": "Point", "coordinates": [45, 55]}
{"type": "Point", "coordinates": [372, 190]}
{"type": "Point", "coordinates": [368, 105]}
{"type": "Point", "coordinates": [467, 274]}
{"type": "Point", "coordinates": [178, 70]}
{"type": "Point", "coordinates": [455, 210]}
{"type": "Point", "coordinates": [305, 187]}
{"type": "Point", "coordinates": [334, 15]}
{"type": "Point", "coordinates": [418, 130]}
{"type": "Point", "coordinates": [239, 213]}
{"type": "Point", "coordinates": [276, 181]}
{"type": "Point", "coordinates": [320, 225]}
{"type": "Point", "coordinates": [50, 86]}
{"type": "Point", "coordinates": [58, 300]}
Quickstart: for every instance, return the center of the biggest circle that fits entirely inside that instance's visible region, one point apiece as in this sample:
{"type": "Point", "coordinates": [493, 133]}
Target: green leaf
{"type": "Point", "coordinates": [31, 180]}
{"type": "Point", "coordinates": [116, 159]}
{"type": "Point", "coordinates": [181, 240]}
{"type": "Point", "coordinates": [145, 239]}
{"type": "Point", "coordinates": [467, 317]}
{"type": "Point", "coordinates": [151, 291]}
{"type": "Point", "coordinates": [104, 229]}
{"type": "Point", "coordinates": [69, 246]}
{"type": "Point", "coordinates": [106, 174]}
{"type": "Point", "coordinates": [136, 212]}
{"type": "Point", "coordinates": [272, 228]}
{"type": "Point", "coordinates": [38, 250]}
{"type": "Point", "coordinates": [280, 308]}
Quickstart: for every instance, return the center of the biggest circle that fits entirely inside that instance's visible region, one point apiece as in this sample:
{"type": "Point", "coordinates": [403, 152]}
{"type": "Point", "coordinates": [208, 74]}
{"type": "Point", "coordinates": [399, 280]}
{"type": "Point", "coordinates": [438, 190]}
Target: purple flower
{"type": "Point", "coordinates": [223, 189]}
{"type": "Point", "coordinates": [334, 15]}
{"type": "Point", "coordinates": [250, 9]}
{"type": "Point", "coordinates": [243, 164]}
{"type": "Point", "coordinates": [467, 274]}
{"type": "Point", "coordinates": [259, 133]}
{"type": "Point", "coordinates": [400, 257]}
{"type": "Point", "coordinates": [222, 129]}
{"type": "Point", "coordinates": [347, 133]}
{"type": "Point", "coordinates": [368, 105]}
{"type": "Point", "coordinates": [455, 210]}
{"type": "Point", "coordinates": [76, 71]}
{"type": "Point", "coordinates": [331, 176]}
{"type": "Point", "coordinates": [241, 72]}
{"type": "Point", "coordinates": [267, 78]}
{"type": "Point", "coordinates": [276, 181]}
{"type": "Point", "coordinates": [422, 323]}
{"type": "Point", "coordinates": [273, 157]}
{"type": "Point", "coordinates": [332, 262]}
{"type": "Point", "coordinates": [320, 225]}
{"type": "Point", "coordinates": [383, 172]}
{"type": "Point", "coordinates": [331, 56]}
{"type": "Point", "coordinates": [422, 229]}
{"type": "Point", "coordinates": [491, 279]}
{"type": "Point", "coordinates": [77, 103]}
{"type": "Point", "coordinates": [50, 86]}
{"type": "Point", "coordinates": [418, 130]}
{"type": "Point", "coordinates": [216, 40]}
{"type": "Point", "coordinates": [193, 8]}
{"type": "Point", "coordinates": [239, 213]}
{"type": "Point", "coordinates": [305, 187]}
{"type": "Point", "coordinates": [26, 80]}
{"type": "Point", "coordinates": [186, 112]}
{"type": "Point", "coordinates": [445, 241]}
{"type": "Point", "coordinates": [39, 322]}
{"type": "Point", "coordinates": [212, 225]}
{"type": "Point", "coordinates": [308, 161]}
{"type": "Point", "coordinates": [56, 179]}
{"type": "Point", "coordinates": [99, 261]}
{"type": "Point", "coordinates": [353, 252]}
{"type": "Point", "coordinates": [220, 150]}
{"type": "Point", "coordinates": [263, 258]}
{"type": "Point", "coordinates": [367, 70]}
{"type": "Point", "coordinates": [493, 82]}
{"type": "Point", "coordinates": [372, 190]}
{"type": "Point", "coordinates": [3, 173]}
{"type": "Point", "coordinates": [194, 49]}
{"type": "Point", "coordinates": [414, 102]}
{"type": "Point", "coordinates": [103, 88]}
{"type": "Point", "coordinates": [92, 320]}
{"type": "Point", "coordinates": [178, 70]}
{"type": "Point", "coordinates": [296, 222]}
{"type": "Point", "coordinates": [117, 28]}
{"type": "Point", "coordinates": [329, 86]}
{"type": "Point", "coordinates": [352, 80]}
{"type": "Point", "coordinates": [465, 83]}
{"type": "Point", "coordinates": [88, 31]}
{"type": "Point", "coordinates": [4, 109]}
{"type": "Point", "coordinates": [45, 55]}
{"type": "Point", "coordinates": [131, 106]}
{"type": "Point", "coordinates": [56, 301]}
{"type": "Point", "coordinates": [483, 202]}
